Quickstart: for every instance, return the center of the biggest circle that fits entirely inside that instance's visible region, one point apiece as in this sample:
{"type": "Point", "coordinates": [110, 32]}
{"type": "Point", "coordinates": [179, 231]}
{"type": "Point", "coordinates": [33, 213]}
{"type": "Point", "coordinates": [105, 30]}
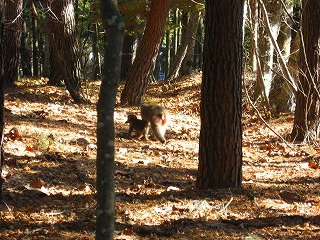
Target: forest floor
{"type": "Point", "coordinates": [50, 154]}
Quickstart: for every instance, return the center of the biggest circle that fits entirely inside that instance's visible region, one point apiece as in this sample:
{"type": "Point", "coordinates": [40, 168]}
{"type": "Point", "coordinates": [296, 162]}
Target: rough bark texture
{"type": "Point", "coordinates": [144, 62]}
{"type": "Point", "coordinates": [11, 40]}
{"type": "Point", "coordinates": [114, 25]}
{"type": "Point", "coordinates": [220, 148]}
{"type": "Point", "coordinates": [1, 99]}
{"type": "Point", "coordinates": [61, 22]}
{"type": "Point", "coordinates": [307, 114]}
{"type": "Point", "coordinates": [63, 63]}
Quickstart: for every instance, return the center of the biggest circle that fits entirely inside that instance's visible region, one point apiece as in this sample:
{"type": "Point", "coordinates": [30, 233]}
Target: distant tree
{"type": "Point", "coordinates": [62, 24]}
{"type": "Point", "coordinates": [144, 63]}
{"type": "Point", "coordinates": [266, 48]}
{"type": "Point", "coordinates": [11, 40]}
{"type": "Point", "coordinates": [66, 64]}
{"type": "Point", "coordinates": [281, 95]}
{"type": "Point", "coordinates": [1, 99]}
{"type": "Point", "coordinates": [183, 58]}
{"type": "Point", "coordinates": [307, 113]}
{"type": "Point", "coordinates": [220, 146]}
{"type": "Point", "coordinates": [114, 25]}
{"type": "Point", "coordinates": [25, 46]}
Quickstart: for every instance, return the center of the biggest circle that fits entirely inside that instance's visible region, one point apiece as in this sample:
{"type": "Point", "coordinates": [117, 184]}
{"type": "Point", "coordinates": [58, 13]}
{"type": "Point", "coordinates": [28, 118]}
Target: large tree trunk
{"type": "Point", "coordinates": [220, 147]}
{"type": "Point", "coordinates": [307, 113]}
{"type": "Point", "coordinates": [11, 40]}
{"type": "Point", "coordinates": [144, 62]}
{"type": "Point", "coordinates": [105, 125]}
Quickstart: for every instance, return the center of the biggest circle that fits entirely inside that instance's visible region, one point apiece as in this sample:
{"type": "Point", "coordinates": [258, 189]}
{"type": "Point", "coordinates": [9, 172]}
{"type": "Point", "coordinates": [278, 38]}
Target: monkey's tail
{"type": "Point", "coordinates": [159, 131]}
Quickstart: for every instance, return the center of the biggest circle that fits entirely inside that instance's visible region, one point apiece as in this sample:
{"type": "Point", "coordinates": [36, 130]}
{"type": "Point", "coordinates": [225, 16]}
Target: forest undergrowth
{"type": "Point", "coordinates": [50, 153]}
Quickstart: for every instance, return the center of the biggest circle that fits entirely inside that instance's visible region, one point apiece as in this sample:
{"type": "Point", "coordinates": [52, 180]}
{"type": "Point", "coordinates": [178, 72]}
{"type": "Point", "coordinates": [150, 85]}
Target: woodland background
{"type": "Point", "coordinates": [52, 55]}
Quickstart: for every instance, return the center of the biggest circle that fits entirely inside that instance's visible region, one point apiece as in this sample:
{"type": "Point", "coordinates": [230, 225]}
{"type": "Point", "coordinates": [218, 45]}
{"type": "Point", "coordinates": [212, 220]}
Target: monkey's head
{"type": "Point", "coordinates": [131, 117]}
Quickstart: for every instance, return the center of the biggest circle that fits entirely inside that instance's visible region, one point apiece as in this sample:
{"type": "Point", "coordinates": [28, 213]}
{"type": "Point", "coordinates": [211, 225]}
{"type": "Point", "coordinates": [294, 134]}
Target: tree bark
{"type": "Point", "coordinates": [63, 64]}
{"type": "Point", "coordinates": [129, 43]}
{"type": "Point", "coordinates": [185, 50]}
{"type": "Point", "coordinates": [187, 63]}
{"type": "Point", "coordinates": [11, 40]}
{"type": "Point", "coordinates": [144, 62]}
{"type": "Point", "coordinates": [220, 146]}
{"type": "Point", "coordinates": [307, 113]}
{"type": "Point", "coordinates": [25, 49]}
{"type": "Point", "coordinates": [35, 53]}
{"type": "Point", "coordinates": [1, 98]}
{"type": "Point", "coordinates": [281, 96]}
{"type": "Point", "coordinates": [61, 22]}
{"type": "Point", "coordinates": [266, 47]}
{"type": "Point", "coordinates": [114, 25]}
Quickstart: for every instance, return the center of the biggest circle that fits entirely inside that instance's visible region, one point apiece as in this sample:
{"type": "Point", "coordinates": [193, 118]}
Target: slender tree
{"type": "Point", "coordinates": [220, 147]}
{"type": "Point", "coordinates": [114, 25]}
{"type": "Point", "coordinates": [144, 62]}
{"type": "Point", "coordinates": [307, 113]}
{"type": "Point", "coordinates": [25, 47]}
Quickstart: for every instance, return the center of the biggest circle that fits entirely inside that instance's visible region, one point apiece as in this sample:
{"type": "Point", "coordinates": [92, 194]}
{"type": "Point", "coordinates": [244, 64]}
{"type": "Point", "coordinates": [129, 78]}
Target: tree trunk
{"type": "Point", "coordinates": [11, 40]}
{"type": "Point", "coordinates": [63, 64]}
{"type": "Point", "coordinates": [144, 62]}
{"type": "Point", "coordinates": [266, 47]}
{"type": "Point", "coordinates": [25, 49]}
{"type": "Point", "coordinates": [185, 50]}
{"type": "Point", "coordinates": [220, 146]}
{"type": "Point", "coordinates": [281, 96]}
{"type": "Point", "coordinates": [96, 68]}
{"type": "Point", "coordinates": [35, 53]}
{"type": "Point", "coordinates": [105, 125]}
{"type": "Point", "coordinates": [197, 61]}
{"type": "Point", "coordinates": [187, 63]}
{"type": "Point", "coordinates": [254, 17]}
{"type": "Point", "coordinates": [61, 22]}
{"type": "Point", "coordinates": [1, 99]}
{"type": "Point", "coordinates": [129, 44]}
{"type": "Point", "coordinates": [307, 113]}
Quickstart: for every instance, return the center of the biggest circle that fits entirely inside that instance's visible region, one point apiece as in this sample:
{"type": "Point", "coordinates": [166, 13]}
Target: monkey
{"type": "Point", "coordinates": [158, 118]}
{"type": "Point", "coordinates": [136, 124]}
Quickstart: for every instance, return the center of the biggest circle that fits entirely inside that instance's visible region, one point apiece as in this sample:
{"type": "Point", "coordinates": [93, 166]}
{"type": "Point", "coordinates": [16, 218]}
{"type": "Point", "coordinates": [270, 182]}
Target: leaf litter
{"type": "Point", "coordinates": [50, 153]}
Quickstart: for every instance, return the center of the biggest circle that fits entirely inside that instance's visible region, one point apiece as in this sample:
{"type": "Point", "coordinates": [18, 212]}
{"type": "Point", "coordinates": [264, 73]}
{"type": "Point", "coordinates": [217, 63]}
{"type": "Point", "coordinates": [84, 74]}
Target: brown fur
{"type": "Point", "coordinates": [158, 118]}
{"type": "Point", "coordinates": [138, 125]}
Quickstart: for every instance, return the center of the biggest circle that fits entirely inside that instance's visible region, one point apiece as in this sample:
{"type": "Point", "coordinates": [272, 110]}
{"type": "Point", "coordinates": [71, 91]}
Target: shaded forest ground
{"type": "Point", "coordinates": [50, 173]}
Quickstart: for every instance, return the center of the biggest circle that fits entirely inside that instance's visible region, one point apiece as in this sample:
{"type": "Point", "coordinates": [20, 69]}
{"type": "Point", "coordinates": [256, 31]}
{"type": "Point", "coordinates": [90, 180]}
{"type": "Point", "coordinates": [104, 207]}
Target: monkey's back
{"type": "Point", "coordinates": [157, 116]}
